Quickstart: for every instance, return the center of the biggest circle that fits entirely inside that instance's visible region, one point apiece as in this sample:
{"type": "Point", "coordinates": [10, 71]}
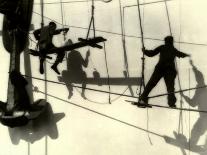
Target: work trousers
{"type": "Point", "coordinates": [169, 75]}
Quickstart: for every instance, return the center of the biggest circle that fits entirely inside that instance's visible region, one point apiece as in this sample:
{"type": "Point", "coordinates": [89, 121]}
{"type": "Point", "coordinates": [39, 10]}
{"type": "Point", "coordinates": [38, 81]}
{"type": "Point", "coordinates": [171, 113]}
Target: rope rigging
{"type": "Point", "coordinates": [83, 1]}
{"type": "Point", "coordinates": [154, 96]}
{"type": "Point", "coordinates": [101, 114]}
{"type": "Point", "coordinates": [142, 38]}
{"type": "Point", "coordinates": [126, 65]}
{"type": "Point", "coordinates": [92, 24]}
{"type": "Point", "coordinates": [114, 33]}
{"type": "Point", "coordinates": [92, 21]}
{"type": "Point", "coordinates": [142, 85]}
{"type": "Point", "coordinates": [45, 73]}
{"type": "Point", "coordinates": [143, 47]}
{"type": "Point", "coordinates": [107, 70]}
{"type": "Point", "coordinates": [180, 126]}
{"type": "Point", "coordinates": [102, 91]}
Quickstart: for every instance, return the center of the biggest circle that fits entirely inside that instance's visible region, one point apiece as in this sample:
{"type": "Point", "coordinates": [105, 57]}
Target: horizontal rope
{"type": "Point", "coordinates": [128, 6]}
{"type": "Point", "coordinates": [129, 36]}
{"type": "Point", "coordinates": [101, 114]}
{"type": "Point", "coordinates": [102, 91]}
{"type": "Point", "coordinates": [166, 107]}
{"type": "Point", "coordinates": [67, 2]}
{"type": "Point", "coordinates": [97, 90]}
{"type": "Point", "coordinates": [179, 91]}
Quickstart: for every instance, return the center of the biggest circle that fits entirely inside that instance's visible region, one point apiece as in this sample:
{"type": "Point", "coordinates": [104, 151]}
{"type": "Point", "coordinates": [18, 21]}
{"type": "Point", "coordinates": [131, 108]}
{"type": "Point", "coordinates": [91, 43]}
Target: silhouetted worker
{"type": "Point", "coordinates": [74, 66]}
{"type": "Point", "coordinates": [199, 99]}
{"type": "Point", "coordinates": [10, 8]}
{"type": "Point", "coordinates": [165, 68]}
{"type": "Point", "coordinates": [44, 37]}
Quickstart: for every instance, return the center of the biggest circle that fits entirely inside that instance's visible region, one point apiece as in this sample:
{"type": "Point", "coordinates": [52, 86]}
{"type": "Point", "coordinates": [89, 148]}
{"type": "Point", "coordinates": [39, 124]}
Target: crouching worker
{"type": "Point", "coordinates": [44, 37]}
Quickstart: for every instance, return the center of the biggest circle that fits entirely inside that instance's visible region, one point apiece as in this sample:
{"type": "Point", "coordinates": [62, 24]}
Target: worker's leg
{"type": "Point", "coordinates": [83, 79]}
{"type": "Point", "coordinates": [169, 78]}
{"type": "Point", "coordinates": [156, 76]}
{"type": "Point", "coordinates": [59, 59]}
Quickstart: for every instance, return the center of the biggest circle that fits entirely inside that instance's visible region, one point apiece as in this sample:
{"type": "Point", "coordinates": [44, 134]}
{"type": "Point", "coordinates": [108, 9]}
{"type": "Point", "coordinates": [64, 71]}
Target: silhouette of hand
{"type": "Point", "coordinates": [88, 53]}
{"type": "Point", "coordinates": [65, 30]}
{"type": "Point", "coordinates": [191, 62]}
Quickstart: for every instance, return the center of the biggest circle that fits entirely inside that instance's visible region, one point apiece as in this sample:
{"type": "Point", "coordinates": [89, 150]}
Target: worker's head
{"type": "Point", "coordinates": [52, 25]}
{"type": "Point", "coordinates": [169, 40]}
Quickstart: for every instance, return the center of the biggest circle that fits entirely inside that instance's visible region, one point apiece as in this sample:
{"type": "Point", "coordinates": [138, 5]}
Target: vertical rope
{"type": "Point", "coordinates": [189, 134]}
{"type": "Point", "coordinates": [168, 17]}
{"type": "Point", "coordinates": [62, 18]}
{"type": "Point", "coordinates": [143, 56]}
{"type": "Point", "coordinates": [140, 23]}
{"type": "Point", "coordinates": [93, 9]}
{"type": "Point", "coordinates": [143, 63]}
{"type": "Point", "coordinates": [42, 12]}
{"type": "Point", "coordinates": [180, 126]}
{"type": "Point", "coordinates": [180, 129]}
{"type": "Point", "coordinates": [45, 75]}
{"type": "Point", "coordinates": [92, 21]}
{"type": "Point", "coordinates": [148, 119]}
{"type": "Point", "coordinates": [126, 65]}
{"type": "Point", "coordinates": [63, 24]}
{"type": "Point", "coordinates": [108, 78]}
{"type": "Point", "coordinates": [123, 40]}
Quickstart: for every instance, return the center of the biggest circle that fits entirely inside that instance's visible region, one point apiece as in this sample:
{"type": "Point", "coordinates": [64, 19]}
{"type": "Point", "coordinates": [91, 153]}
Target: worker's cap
{"type": "Point", "coordinates": [169, 39]}
{"type": "Point", "coordinates": [52, 23]}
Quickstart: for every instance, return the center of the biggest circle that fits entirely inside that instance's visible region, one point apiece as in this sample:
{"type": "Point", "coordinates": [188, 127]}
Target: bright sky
{"type": "Point", "coordinates": [85, 132]}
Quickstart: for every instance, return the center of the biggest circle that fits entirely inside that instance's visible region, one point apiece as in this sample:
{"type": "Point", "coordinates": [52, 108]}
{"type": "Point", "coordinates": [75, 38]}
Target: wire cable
{"type": "Point", "coordinates": [107, 70]}
{"type": "Point", "coordinates": [102, 91]}
{"type": "Point", "coordinates": [129, 95]}
{"type": "Point", "coordinates": [130, 36]}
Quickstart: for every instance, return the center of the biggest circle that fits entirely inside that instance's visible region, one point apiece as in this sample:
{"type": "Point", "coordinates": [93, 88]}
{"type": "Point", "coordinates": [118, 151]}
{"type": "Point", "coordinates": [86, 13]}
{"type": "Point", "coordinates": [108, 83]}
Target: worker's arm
{"type": "Point", "coordinates": [192, 102]}
{"type": "Point", "coordinates": [58, 31]}
{"type": "Point", "coordinates": [181, 54]}
{"type": "Point", "coordinates": [151, 53]}
{"type": "Point", "coordinates": [85, 62]}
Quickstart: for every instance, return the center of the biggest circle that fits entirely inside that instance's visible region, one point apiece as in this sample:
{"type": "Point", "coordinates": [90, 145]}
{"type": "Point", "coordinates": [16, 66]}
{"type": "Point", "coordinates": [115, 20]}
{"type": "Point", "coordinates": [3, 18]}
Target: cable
{"type": "Point", "coordinates": [92, 21]}
{"type": "Point", "coordinates": [147, 112]}
{"type": "Point", "coordinates": [143, 47]}
{"type": "Point", "coordinates": [102, 91]}
{"type": "Point", "coordinates": [182, 109]}
{"type": "Point", "coordinates": [130, 36]}
{"type": "Point", "coordinates": [107, 70]}
{"type": "Point", "coordinates": [126, 65]}
{"type": "Point", "coordinates": [189, 133]}
{"type": "Point", "coordinates": [101, 114]}
{"type": "Point", "coordinates": [180, 126]}
{"type": "Point", "coordinates": [168, 17]}
{"type": "Point", "coordinates": [128, 6]}
{"type": "Point", "coordinates": [67, 2]}
{"type": "Point", "coordinates": [126, 95]}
